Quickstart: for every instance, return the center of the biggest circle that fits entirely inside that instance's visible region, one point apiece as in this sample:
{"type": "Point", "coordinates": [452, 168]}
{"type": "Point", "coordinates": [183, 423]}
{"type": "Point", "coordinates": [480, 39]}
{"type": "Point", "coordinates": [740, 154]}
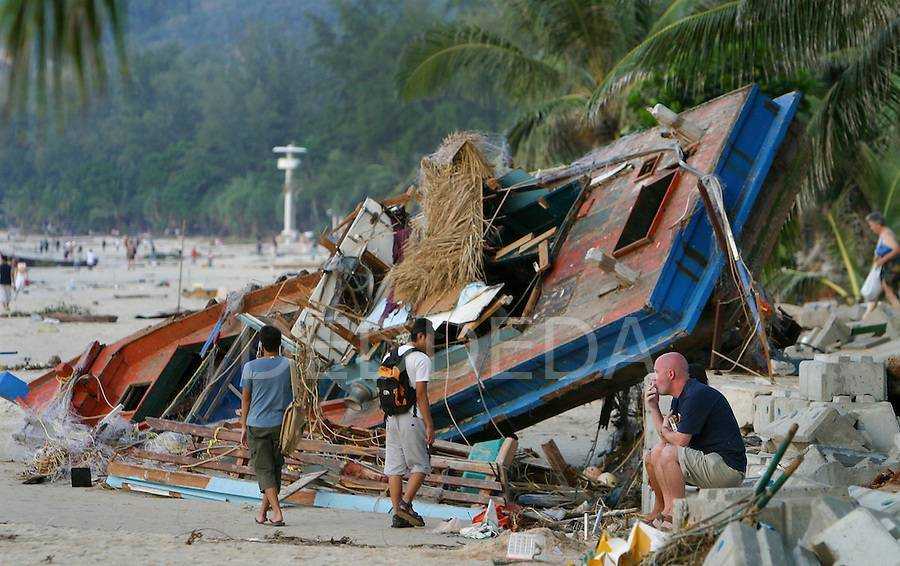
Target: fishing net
{"type": "Point", "coordinates": [54, 439]}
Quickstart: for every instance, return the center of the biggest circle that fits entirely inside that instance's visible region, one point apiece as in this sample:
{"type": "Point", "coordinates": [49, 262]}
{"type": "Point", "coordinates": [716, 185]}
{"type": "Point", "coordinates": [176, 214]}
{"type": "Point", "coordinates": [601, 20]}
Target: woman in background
{"type": "Point", "coordinates": [887, 256]}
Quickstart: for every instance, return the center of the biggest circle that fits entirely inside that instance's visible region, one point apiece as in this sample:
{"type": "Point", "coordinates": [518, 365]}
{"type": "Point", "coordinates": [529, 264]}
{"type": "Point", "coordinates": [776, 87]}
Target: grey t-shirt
{"type": "Point", "coordinates": [269, 382]}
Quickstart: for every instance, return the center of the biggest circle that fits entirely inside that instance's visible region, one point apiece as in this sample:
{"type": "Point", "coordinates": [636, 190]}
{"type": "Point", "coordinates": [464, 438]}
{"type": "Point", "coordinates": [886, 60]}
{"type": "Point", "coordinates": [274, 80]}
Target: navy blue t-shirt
{"type": "Point", "coordinates": [705, 414]}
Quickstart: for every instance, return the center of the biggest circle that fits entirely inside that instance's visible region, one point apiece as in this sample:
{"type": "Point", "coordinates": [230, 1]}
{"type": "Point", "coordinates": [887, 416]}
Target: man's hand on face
{"type": "Point", "coordinates": [651, 396]}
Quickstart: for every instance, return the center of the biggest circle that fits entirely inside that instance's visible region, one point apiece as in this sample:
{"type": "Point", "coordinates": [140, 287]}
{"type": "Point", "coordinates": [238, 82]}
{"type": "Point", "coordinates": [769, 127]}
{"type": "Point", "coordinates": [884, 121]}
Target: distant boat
{"type": "Point", "coordinates": [41, 261]}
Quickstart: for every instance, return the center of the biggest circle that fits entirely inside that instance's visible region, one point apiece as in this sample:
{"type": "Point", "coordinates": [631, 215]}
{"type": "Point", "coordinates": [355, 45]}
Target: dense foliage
{"type": "Point", "coordinates": [211, 88]}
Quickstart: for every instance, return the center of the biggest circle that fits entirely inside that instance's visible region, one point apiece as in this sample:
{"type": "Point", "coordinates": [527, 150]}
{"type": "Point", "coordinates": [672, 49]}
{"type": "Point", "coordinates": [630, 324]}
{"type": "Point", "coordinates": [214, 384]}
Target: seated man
{"type": "Point", "coordinates": [700, 441]}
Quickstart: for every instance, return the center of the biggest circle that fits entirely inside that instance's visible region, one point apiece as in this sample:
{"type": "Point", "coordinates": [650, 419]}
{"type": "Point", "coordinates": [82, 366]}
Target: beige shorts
{"type": "Point", "coordinates": [707, 470]}
{"type": "Point", "coordinates": [405, 446]}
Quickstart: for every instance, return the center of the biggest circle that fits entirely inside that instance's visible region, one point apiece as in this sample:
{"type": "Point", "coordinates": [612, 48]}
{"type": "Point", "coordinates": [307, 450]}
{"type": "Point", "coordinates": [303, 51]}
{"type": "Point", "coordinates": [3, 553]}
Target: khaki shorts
{"type": "Point", "coordinates": [405, 446]}
{"type": "Point", "coordinates": [707, 470]}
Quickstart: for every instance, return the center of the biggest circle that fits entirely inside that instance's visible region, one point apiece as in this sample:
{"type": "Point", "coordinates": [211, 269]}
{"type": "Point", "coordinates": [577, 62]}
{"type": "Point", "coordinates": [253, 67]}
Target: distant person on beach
{"type": "Point", "coordinates": [265, 394]}
{"type": "Point", "coordinates": [258, 245]}
{"type": "Point", "coordinates": [57, 246]}
{"type": "Point", "coordinates": [21, 276]}
{"type": "Point", "coordinates": [91, 259]}
{"type": "Point", "coordinates": [6, 281]}
{"type": "Point", "coordinates": [195, 255]}
{"type": "Point", "coordinates": [130, 252]}
{"type": "Point", "coordinates": [274, 246]}
{"type": "Point", "coordinates": [887, 256]}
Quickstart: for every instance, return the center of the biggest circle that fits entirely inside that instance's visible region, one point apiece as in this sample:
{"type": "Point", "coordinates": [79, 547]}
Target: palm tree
{"type": "Point", "coordinates": [546, 57]}
{"type": "Point", "coordinates": [853, 43]}
{"type": "Point", "coordinates": [46, 42]}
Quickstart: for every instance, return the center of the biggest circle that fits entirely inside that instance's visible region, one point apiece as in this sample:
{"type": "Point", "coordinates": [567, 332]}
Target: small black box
{"type": "Point", "coordinates": [81, 477]}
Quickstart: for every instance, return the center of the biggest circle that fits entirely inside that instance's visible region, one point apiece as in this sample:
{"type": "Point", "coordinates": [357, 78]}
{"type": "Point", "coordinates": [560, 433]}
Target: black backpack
{"type": "Point", "coordinates": [395, 394]}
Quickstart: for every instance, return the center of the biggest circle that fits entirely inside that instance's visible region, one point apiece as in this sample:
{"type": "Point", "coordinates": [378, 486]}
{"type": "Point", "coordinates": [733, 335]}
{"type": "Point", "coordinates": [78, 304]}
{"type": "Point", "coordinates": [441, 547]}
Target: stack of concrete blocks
{"type": "Point", "coordinates": [860, 529]}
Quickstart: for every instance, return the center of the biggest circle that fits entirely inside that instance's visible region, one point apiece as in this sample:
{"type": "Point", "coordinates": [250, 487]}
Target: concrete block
{"type": "Point", "coordinates": [865, 399]}
{"type": "Point", "coordinates": [788, 512]}
{"type": "Point", "coordinates": [825, 512]}
{"type": "Point", "coordinates": [842, 399]}
{"type": "Point", "coordinates": [804, 557]}
{"type": "Point", "coordinates": [833, 332]}
{"type": "Point", "coordinates": [857, 538]}
{"type": "Point", "coordinates": [876, 500]}
{"type": "Point", "coordinates": [823, 378]}
{"type": "Point", "coordinates": [770, 408]}
{"type": "Point", "coordinates": [877, 421]}
{"type": "Point", "coordinates": [815, 315]}
{"type": "Point", "coordinates": [742, 545]}
{"type": "Point", "coordinates": [817, 425]}
{"type": "Point", "coordinates": [740, 392]}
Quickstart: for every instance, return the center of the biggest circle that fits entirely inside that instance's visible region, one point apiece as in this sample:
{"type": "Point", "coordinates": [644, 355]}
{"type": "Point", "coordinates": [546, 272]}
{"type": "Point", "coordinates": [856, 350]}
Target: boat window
{"type": "Point", "coordinates": [133, 395]}
{"type": "Point", "coordinates": [645, 214]}
{"type": "Point", "coordinates": [648, 166]}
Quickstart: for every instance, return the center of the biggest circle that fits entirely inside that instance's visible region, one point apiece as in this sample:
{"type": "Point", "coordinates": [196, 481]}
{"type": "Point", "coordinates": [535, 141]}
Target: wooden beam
{"type": "Point", "coordinates": [609, 264]}
{"type": "Point", "coordinates": [234, 435]}
{"type": "Point", "coordinates": [535, 241]}
{"type": "Point", "coordinates": [488, 313]}
{"type": "Point", "coordinates": [374, 262]}
{"type": "Point", "coordinates": [543, 263]}
{"type": "Point", "coordinates": [551, 451]}
{"type": "Point", "coordinates": [513, 245]}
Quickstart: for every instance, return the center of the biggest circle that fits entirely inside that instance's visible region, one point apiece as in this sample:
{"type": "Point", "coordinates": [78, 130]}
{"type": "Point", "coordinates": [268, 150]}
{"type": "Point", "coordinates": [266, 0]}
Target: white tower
{"type": "Point", "coordinates": [288, 163]}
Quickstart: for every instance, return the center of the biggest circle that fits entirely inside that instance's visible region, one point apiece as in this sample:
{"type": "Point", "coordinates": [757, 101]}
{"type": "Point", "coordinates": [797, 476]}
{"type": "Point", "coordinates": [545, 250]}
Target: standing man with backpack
{"type": "Point", "coordinates": [403, 393]}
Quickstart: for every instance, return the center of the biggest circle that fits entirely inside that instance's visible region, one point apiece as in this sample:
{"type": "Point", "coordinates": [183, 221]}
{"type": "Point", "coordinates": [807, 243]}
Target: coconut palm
{"type": "Point", "coordinates": [853, 44]}
{"type": "Point", "coordinates": [545, 57]}
{"type": "Point", "coordinates": [48, 41]}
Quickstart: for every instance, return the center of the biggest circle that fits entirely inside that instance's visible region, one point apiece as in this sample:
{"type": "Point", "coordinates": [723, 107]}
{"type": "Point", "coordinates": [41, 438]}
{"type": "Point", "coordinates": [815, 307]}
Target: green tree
{"type": "Point", "coordinates": [546, 57]}
{"type": "Point", "coordinates": [854, 45]}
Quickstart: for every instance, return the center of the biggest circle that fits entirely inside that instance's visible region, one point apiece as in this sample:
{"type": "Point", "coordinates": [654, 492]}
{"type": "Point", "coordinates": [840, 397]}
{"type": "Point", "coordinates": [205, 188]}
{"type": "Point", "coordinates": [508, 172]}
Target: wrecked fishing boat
{"type": "Point", "coordinates": [547, 290]}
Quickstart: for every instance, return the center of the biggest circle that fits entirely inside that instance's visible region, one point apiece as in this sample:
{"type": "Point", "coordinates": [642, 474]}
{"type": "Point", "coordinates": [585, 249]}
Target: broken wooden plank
{"type": "Point", "coordinates": [374, 262]}
{"type": "Point", "coordinates": [558, 463]}
{"type": "Point", "coordinates": [543, 263]}
{"type": "Point", "coordinates": [488, 313]}
{"type": "Point", "coordinates": [234, 435]}
{"type": "Point", "coordinates": [505, 458]}
{"type": "Point", "coordinates": [513, 245]}
{"type": "Point", "coordinates": [533, 297]}
{"type": "Point", "coordinates": [299, 484]}
{"type": "Point", "coordinates": [535, 241]}
{"type": "Point", "coordinates": [609, 264]}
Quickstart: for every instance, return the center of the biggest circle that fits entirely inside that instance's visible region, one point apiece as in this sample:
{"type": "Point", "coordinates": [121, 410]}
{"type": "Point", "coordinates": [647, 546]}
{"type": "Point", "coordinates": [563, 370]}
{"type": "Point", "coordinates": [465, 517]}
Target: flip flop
{"type": "Point", "coordinates": [258, 522]}
{"type": "Point", "coordinates": [276, 524]}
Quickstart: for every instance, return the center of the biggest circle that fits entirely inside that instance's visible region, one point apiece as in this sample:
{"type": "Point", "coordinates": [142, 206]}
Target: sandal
{"type": "Point", "coordinates": [276, 523]}
{"type": "Point", "coordinates": [258, 522]}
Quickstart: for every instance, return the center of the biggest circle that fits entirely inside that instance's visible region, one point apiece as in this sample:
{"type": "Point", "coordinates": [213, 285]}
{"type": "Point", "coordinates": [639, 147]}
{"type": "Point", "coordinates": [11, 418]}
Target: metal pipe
{"type": "Point", "coordinates": [776, 459]}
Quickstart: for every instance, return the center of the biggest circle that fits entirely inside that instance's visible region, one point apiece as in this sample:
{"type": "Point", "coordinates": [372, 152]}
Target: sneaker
{"type": "Point", "coordinates": [407, 512]}
{"type": "Point", "coordinates": [399, 522]}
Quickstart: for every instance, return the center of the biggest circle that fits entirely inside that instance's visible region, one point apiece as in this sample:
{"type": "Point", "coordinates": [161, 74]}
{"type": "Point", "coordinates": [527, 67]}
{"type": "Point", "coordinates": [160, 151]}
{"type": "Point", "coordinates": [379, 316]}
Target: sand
{"type": "Point", "coordinates": [81, 526]}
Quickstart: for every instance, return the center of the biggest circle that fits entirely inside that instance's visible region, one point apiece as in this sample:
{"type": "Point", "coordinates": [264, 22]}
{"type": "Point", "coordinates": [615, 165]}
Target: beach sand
{"type": "Point", "coordinates": [60, 524]}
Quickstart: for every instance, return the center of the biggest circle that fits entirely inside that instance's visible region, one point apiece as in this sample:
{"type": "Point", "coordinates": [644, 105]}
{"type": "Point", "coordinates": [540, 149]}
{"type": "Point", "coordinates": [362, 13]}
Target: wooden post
{"type": "Point", "coordinates": [558, 463]}
{"type": "Point", "coordinates": [181, 265]}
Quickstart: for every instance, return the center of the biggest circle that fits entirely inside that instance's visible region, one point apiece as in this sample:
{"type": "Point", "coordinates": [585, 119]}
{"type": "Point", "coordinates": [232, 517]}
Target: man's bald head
{"type": "Point", "coordinates": [671, 373]}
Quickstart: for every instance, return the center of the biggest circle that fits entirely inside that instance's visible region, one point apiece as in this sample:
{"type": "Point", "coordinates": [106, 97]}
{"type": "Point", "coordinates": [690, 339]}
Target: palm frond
{"type": "Point", "coordinates": [679, 9]}
{"type": "Point", "coordinates": [542, 114]}
{"type": "Point", "coordinates": [62, 36]}
{"type": "Point", "coordinates": [857, 105]}
{"type": "Point", "coordinates": [734, 42]}
{"type": "Point", "coordinates": [448, 55]}
{"type": "Point", "coordinates": [585, 32]}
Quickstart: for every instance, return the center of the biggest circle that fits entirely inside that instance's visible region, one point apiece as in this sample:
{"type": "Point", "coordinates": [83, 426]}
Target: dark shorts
{"type": "Point", "coordinates": [890, 273]}
{"type": "Point", "coordinates": [266, 456]}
